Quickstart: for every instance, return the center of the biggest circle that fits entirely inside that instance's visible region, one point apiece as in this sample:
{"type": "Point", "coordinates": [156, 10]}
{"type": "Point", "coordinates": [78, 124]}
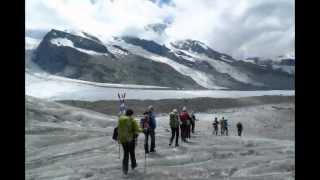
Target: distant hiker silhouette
{"type": "Point", "coordinates": [221, 122]}
{"type": "Point", "coordinates": [193, 122]}
{"type": "Point", "coordinates": [239, 128]}
{"type": "Point", "coordinates": [215, 126]}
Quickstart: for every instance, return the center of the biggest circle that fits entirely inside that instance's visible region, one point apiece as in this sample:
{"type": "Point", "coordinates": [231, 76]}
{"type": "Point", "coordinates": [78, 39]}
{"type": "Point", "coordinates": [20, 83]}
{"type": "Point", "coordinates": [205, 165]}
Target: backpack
{"type": "Point", "coordinates": [174, 121]}
{"type": "Point", "coordinates": [184, 116]}
{"type": "Point", "coordinates": [144, 123]}
{"type": "Point", "coordinates": [188, 122]}
{"type": "Point", "coordinates": [225, 123]}
{"type": "Point", "coordinates": [115, 134]}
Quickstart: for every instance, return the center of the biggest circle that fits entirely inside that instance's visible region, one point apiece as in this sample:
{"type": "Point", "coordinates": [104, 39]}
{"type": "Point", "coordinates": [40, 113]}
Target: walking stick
{"type": "Point", "coordinates": [145, 162]}
{"type": "Point", "coordinates": [119, 150]}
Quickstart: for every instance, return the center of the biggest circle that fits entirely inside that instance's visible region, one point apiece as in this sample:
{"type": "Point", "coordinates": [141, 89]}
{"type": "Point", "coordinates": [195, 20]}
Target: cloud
{"type": "Point", "coordinates": [238, 27]}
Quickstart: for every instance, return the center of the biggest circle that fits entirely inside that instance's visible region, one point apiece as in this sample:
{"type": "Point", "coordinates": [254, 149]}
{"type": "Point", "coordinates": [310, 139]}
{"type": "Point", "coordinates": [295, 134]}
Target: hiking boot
{"type": "Point", "coordinates": [134, 166]}
{"type": "Point", "coordinates": [125, 172]}
{"type": "Point", "coordinates": [177, 145]}
{"type": "Point", "coordinates": [170, 144]}
{"type": "Point", "coordinates": [152, 150]}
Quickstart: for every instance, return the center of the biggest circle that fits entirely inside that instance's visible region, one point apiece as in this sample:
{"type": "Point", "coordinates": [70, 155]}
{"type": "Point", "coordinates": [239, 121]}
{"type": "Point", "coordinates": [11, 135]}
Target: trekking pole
{"type": "Point", "coordinates": [145, 162]}
{"type": "Point", "coordinates": [119, 150]}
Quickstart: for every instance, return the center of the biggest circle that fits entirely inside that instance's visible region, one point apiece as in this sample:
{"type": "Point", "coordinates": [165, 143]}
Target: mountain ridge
{"type": "Point", "coordinates": [86, 57]}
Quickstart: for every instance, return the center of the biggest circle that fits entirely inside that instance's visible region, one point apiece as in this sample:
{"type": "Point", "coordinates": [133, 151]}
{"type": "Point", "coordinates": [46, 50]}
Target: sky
{"type": "Point", "coordinates": [241, 28]}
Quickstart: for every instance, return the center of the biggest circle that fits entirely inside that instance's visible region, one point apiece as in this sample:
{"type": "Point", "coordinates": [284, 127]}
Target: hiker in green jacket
{"type": "Point", "coordinates": [174, 125]}
{"type": "Point", "coordinates": [128, 130]}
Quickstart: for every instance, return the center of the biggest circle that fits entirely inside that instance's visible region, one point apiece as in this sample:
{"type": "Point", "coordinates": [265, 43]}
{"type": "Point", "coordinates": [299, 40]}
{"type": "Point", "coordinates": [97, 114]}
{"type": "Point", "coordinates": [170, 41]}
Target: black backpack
{"type": "Point", "coordinates": [115, 134]}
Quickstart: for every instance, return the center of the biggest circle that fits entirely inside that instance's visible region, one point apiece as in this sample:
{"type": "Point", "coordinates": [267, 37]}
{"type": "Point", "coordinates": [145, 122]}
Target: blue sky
{"type": "Point", "coordinates": [240, 28]}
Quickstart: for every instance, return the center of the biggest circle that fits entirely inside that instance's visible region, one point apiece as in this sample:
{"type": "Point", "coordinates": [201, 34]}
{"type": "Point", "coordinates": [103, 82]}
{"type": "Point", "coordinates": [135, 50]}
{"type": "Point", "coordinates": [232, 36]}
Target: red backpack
{"type": "Point", "coordinates": [184, 116]}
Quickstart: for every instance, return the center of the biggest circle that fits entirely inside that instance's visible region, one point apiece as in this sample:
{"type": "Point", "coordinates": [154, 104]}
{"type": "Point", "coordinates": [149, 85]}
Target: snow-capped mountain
{"type": "Point", "coordinates": [186, 64]}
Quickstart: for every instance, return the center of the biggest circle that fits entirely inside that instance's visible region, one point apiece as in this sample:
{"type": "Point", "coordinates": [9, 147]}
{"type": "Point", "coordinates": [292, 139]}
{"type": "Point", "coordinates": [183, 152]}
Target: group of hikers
{"type": "Point", "coordinates": [224, 127]}
{"type": "Point", "coordinates": [128, 129]}
{"type": "Point", "coordinates": [183, 121]}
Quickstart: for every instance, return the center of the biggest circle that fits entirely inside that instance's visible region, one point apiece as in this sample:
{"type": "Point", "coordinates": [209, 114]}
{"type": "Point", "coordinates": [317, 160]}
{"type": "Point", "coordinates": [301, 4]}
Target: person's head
{"type": "Point", "coordinates": [175, 111]}
{"type": "Point", "coordinates": [150, 108]}
{"type": "Point", "coordinates": [215, 118]}
{"type": "Point", "coordinates": [223, 118]}
{"type": "Point", "coordinates": [129, 112]}
{"type": "Point", "coordinates": [184, 108]}
{"type": "Point", "coordinates": [145, 114]}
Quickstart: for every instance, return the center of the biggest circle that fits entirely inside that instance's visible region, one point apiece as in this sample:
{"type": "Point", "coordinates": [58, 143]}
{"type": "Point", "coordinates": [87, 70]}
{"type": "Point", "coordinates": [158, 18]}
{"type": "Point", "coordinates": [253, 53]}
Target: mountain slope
{"type": "Point", "coordinates": [186, 64]}
{"type": "Point", "coordinates": [77, 57]}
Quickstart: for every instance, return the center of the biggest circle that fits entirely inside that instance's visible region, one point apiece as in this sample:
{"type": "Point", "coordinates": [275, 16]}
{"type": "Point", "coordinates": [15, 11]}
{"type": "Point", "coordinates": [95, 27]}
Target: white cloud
{"type": "Point", "coordinates": [238, 27]}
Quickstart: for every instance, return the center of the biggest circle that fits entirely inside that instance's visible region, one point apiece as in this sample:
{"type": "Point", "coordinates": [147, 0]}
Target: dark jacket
{"type": "Point", "coordinates": [152, 120]}
{"type": "Point", "coordinates": [239, 126]}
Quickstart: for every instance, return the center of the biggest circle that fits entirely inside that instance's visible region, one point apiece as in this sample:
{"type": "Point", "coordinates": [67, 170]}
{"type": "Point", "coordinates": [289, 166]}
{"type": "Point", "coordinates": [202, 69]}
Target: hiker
{"type": "Point", "coordinates": [225, 126]}
{"type": "Point", "coordinates": [221, 122]}
{"type": "Point", "coordinates": [144, 124]}
{"type": "Point", "coordinates": [239, 128]}
{"type": "Point", "coordinates": [174, 125]}
{"type": "Point", "coordinates": [152, 127]}
{"type": "Point", "coordinates": [184, 117]}
{"type": "Point", "coordinates": [193, 122]}
{"type": "Point", "coordinates": [188, 131]}
{"type": "Point", "coordinates": [128, 128]}
{"type": "Point", "coordinates": [215, 126]}
{"type": "Point", "coordinates": [122, 107]}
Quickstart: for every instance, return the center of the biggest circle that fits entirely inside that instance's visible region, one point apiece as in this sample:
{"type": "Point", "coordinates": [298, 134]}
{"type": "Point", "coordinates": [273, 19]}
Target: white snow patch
{"type": "Point", "coordinates": [184, 57]}
{"type": "Point", "coordinates": [116, 51]}
{"type": "Point", "coordinates": [67, 42]}
{"type": "Point", "coordinates": [78, 33]}
{"type": "Point", "coordinates": [199, 77]}
{"type": "Point", "coordinates": [225, 59]}
{"type": "Point", "coordinates": [285, 68]}
{"type": "Point", "coordinates": [59, 88]}
{"type": "Point", "coordinates": [62, 42]}
{"type": "Point", "coordinates": [203, 45]}
{"type": "Point", "coordinates": [31, 43]}
{"type": "Point", "coordinates": [222, 67]}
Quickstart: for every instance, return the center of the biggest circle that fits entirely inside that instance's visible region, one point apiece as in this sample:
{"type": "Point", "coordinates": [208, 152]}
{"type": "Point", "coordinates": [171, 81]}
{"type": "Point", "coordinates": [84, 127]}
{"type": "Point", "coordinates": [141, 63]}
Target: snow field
{"type": "Point", "coordinates": [84, 149]}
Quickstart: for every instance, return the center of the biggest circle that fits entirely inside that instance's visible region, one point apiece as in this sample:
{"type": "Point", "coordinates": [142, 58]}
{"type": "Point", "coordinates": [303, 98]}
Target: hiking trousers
{"type": "Point", "coordinates": [128, 151]}
{"type": "Point", "coordinates": [153, 139]}
{"type": "Point", "coordinates": [189, 131]}
{"type": "Point", "coordinates": [174, 133]}
{"type": "Point", "coordinates": [192, 126]}
{"type": "Point", "coordinates": [222, 131]}
{"type": "Point", "coordinates": [183, 128]}
{"type": "Point", "coordinates": [215, 131]}
{"type": "Point", "coordinates": [146, 139]}
{"type": "Point", "coordinates": [239, 132]}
